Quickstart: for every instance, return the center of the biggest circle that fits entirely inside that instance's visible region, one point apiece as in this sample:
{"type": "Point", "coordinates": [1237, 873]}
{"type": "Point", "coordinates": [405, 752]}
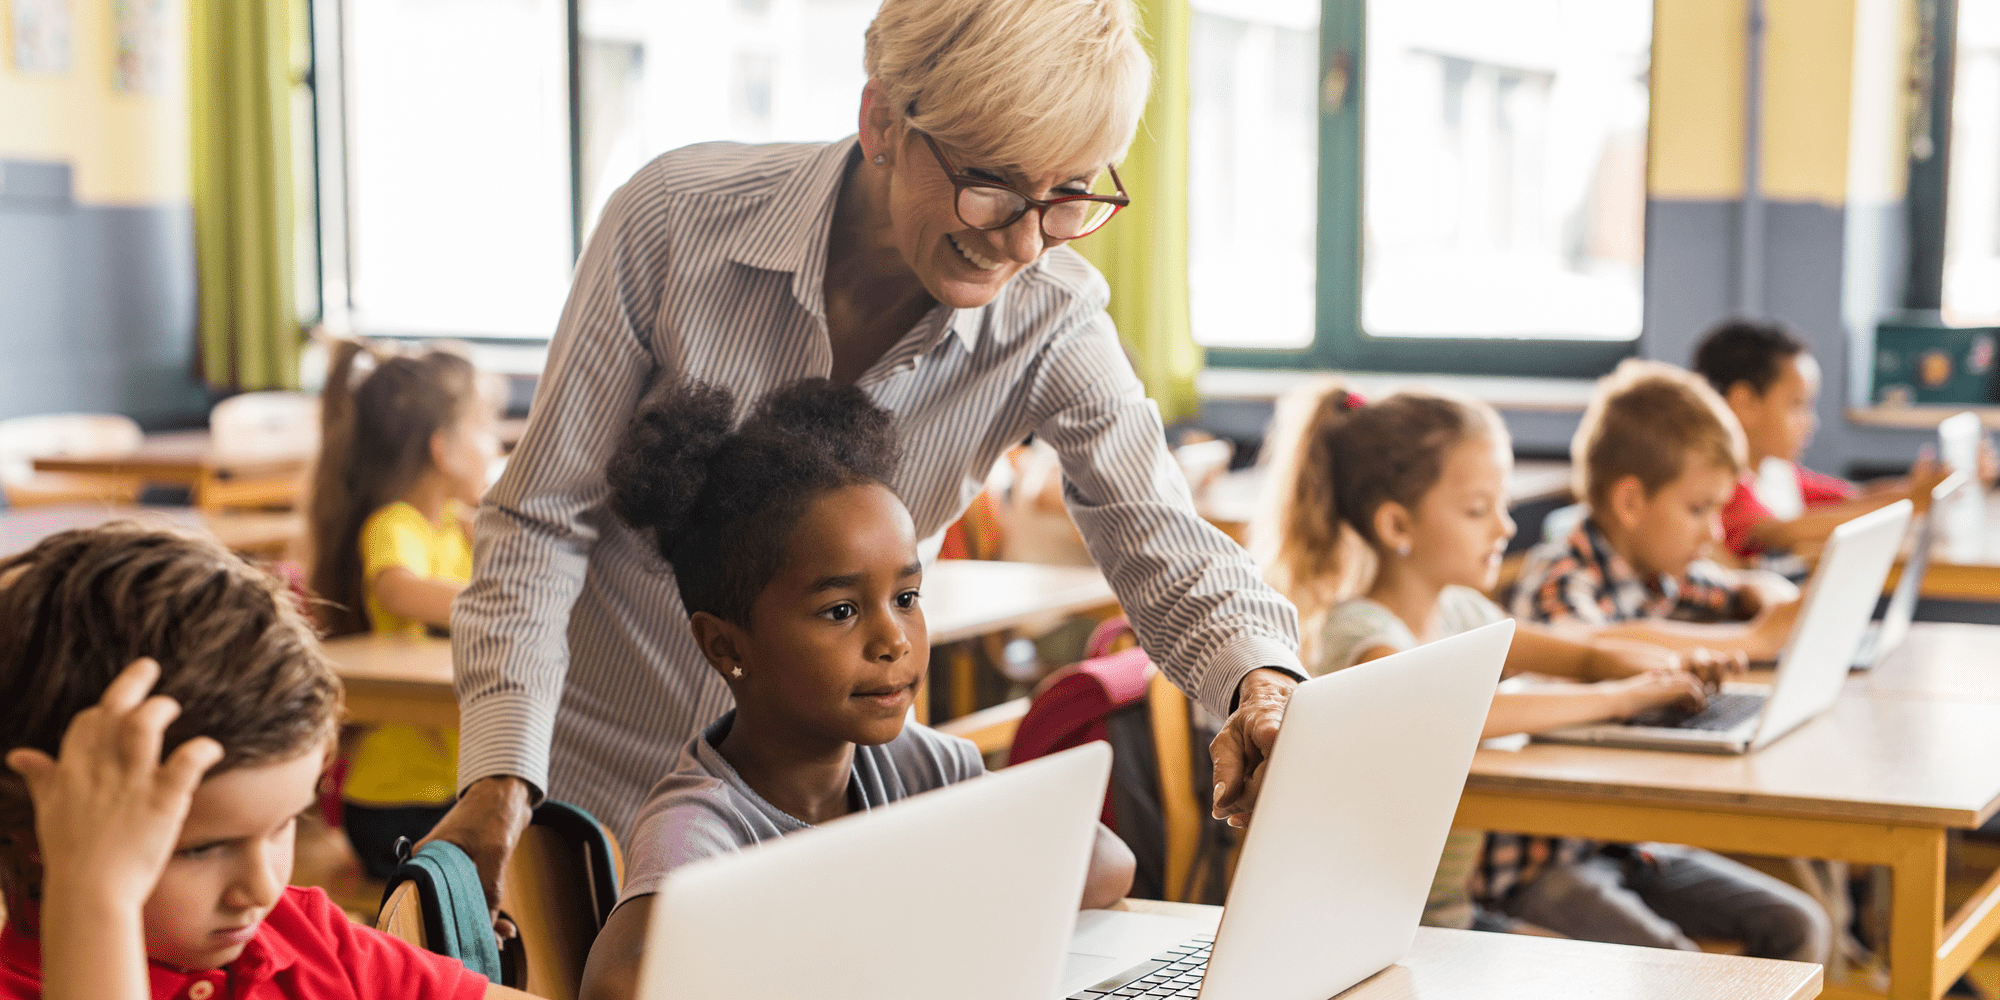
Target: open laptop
{"type": "Point", "coordinates": [969, 892]}
{"type": "Point", "coordinates": [1884, 636]}
{"type": "Point", "coordinates": [1339, 857]}
{"type": "Point", "coordinates": [1833, 613]}
{"type": "Point", "coordinates": [1964, 516]}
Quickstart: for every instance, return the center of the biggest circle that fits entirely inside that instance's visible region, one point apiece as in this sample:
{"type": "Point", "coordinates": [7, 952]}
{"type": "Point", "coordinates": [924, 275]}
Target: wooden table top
{"type": "Point", "coordinates": [965, 598]}
{"type": "Point", "coordinates": [1450, 964]}
{"type": "Point", "coordinates": [246, 531]}
{"type": "Point", "coordinates": [962, 598]}
{"type": "Point", "coordinates": [1913, 761]}
{"type": "Point", "coordinates": [1945, 660]}
{"type": "Point", "coordinates": [185, 453]}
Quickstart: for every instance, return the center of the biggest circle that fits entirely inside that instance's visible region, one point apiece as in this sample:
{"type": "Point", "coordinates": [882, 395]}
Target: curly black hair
{"type": "Point", "coordinates": [722, 501]}
{"type": "Point", "coordinates": [1745, 350]}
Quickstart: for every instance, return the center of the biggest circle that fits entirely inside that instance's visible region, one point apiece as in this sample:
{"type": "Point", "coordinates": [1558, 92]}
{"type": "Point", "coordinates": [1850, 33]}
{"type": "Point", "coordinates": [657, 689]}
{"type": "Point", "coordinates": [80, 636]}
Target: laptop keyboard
{"type": "Point", "coordinates": [1723, 711]}
{"type": "Point", "coordinates": [1175, 972]}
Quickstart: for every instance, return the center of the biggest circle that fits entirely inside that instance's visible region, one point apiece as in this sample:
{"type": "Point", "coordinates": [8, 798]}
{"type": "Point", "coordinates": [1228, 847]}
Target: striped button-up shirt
{"type": "Point", "coordinates": [575, 666]}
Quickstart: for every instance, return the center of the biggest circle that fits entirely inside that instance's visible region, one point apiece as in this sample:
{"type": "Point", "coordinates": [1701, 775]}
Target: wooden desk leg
{"type": "Point", "coordinates": [1916, 914]}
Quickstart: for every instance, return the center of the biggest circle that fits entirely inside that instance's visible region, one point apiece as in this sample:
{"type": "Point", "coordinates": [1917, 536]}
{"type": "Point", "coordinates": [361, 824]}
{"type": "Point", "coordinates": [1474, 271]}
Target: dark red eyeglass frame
{"type": "Point", "coordinates": [960, 182]}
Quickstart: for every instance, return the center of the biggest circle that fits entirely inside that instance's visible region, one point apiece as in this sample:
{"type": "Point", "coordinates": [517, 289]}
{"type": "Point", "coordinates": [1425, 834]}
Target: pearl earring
{"type": "Point", "coordinates": [1403, 550]}
{"type": "Point", "coordinates": [735, 671]}
{"type": "Point", "coordinates": [880, 159]}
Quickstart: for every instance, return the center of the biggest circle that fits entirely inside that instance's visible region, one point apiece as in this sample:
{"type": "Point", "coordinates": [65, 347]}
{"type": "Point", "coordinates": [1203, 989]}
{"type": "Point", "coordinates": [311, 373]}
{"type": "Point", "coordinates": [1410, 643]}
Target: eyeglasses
{"type": "Point", "coordinates": [984, 204]}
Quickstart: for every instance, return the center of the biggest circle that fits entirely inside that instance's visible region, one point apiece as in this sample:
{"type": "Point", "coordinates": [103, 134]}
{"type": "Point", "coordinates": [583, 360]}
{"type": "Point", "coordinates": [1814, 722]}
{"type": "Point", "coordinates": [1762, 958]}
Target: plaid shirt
{"type": "Point", "coordinates": [1582, 579]}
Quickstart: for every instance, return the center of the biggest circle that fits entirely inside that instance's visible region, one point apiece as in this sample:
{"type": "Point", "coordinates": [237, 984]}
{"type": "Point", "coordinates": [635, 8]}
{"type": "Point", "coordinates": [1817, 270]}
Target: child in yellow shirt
{"type": "Point", "coordinates": [404, 453]}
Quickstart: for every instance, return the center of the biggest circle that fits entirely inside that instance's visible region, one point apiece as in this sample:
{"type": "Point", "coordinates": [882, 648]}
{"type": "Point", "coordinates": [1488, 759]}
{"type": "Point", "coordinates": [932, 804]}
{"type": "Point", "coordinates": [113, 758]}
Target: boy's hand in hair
{"type": "Point", "coordinates": [107, 809]}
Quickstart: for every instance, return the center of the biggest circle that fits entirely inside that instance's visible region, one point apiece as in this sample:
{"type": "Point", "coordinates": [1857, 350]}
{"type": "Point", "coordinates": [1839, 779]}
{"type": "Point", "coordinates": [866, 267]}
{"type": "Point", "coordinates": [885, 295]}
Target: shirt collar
{"type": "Point", "coordinates": [791, 231]}
{"type": "Point", "coordinates": [1620, 576]}
{"type": "Point", "coordinates": [264, 957]}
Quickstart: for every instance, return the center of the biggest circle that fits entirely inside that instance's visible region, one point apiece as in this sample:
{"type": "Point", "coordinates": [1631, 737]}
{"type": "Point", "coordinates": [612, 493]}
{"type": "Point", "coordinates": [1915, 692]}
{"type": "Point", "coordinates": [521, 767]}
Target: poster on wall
{"type": "Point", "coordinates": [142, 45]}
{"type": "Point", "coordinates": [41, 36]}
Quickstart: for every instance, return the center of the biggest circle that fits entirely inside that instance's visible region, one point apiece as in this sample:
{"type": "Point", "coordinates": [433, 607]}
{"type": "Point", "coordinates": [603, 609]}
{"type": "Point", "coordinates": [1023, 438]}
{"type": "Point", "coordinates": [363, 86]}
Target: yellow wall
{"type": "Point", "coordinates": [1810, 82]}
{"type": "Point", "coordinates": [125, 149]}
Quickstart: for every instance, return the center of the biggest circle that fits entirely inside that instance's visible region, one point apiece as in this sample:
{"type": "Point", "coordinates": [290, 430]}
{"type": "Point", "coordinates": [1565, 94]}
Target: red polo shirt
{"type": "Point", "coordinates": [305, 950]}
{"type": "Point", "coordinates": [1744, 511]}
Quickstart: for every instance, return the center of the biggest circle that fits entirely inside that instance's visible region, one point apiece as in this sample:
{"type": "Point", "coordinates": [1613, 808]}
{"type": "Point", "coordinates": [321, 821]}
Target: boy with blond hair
{"type": "Point", "coordinates": [1656, 458]}
{"type": "Point", "coordinates": [165, 714]}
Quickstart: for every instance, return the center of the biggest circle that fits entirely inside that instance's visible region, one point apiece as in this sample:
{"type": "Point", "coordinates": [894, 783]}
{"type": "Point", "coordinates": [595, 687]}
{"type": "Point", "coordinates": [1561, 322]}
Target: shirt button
{"type": "Point", "coordinates": [202, 989]}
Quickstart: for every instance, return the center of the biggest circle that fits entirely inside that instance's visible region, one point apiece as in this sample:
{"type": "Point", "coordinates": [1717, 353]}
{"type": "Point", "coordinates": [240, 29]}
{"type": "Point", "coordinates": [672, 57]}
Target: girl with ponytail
{"type": "Point", "coordinates": [405, 444]}
{"type": "Point", "coordinates": [1388, 528]}
{"type": "Point", "coordinates": [798, 568]}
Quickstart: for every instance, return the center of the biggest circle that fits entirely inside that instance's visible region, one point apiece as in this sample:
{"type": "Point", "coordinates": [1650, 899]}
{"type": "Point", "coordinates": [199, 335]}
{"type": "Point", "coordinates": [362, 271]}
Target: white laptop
{"type": "Point", "coordinates": [967, 892]}
{"type": "Point", "coordinates": [1835, 609]}
{"type": "Point", "coordinates": [1361, 791]}
{"type": "Point", "coordinates": [1884, 636]}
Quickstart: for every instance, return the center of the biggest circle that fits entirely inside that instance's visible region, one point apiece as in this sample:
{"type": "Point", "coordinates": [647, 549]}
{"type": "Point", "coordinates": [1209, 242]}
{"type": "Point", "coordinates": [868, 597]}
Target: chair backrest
{"type": "Point", "coordinates": [560, 887]}
{"type": "Point", "coordinates": [440, 888]}
{"type": "Point", "coordinates": [402, 915]}
{"type": "Point", "coordinates": [265, 421]}
{"type": "Point", "coordinates": [47, 435]}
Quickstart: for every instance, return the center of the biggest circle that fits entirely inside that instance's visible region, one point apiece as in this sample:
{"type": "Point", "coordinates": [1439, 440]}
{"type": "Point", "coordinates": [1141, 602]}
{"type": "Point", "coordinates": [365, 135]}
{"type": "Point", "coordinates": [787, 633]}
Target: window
{"type": "Point", "coordinates": [1481, 186]}
{"type": "Point", "coordinates": [1972, 198]}
{"type": "Point", "coordinates": [657, 76]}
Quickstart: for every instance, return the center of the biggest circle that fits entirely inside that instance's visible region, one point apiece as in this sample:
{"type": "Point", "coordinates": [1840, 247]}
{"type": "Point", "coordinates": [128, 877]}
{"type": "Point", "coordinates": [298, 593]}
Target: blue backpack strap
{"type": "Point", "coordinates": [456, 922]}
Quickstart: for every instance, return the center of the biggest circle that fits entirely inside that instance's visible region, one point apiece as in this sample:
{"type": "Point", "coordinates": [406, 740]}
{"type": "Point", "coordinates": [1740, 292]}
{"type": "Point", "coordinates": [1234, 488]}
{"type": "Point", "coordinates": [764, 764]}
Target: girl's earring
{"type": "Point", "coordinates": [880, 159]}
{"type": "Point", "coordinates": [1403, 550]}
{"type": "Point", "coordinates": [735, 671]}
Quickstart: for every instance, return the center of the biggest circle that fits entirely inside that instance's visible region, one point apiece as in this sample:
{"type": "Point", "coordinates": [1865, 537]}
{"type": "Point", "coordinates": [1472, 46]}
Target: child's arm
{"type": "Point", "coordinates": [1541, 710]}
{"type": "Point", "coordinates": [1111, 869]}
{"type": "Point", "coordinates": [406, 595]}
{"type": "Point", "coordinates": [1760, 639]}
{"type": "Point", "coordinates": [1537, 650]}
{"type": "Point", "coordinates": [612, 971]}
{"type": "Point", "coordinates": [107, 815]}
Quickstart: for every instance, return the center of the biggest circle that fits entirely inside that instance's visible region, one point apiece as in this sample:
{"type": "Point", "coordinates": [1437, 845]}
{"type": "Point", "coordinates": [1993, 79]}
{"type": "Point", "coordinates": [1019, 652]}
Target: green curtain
{"type": "Point", "coordinates": [1143, 252]}
{"type": "Point", "coordinates": [244, 56]}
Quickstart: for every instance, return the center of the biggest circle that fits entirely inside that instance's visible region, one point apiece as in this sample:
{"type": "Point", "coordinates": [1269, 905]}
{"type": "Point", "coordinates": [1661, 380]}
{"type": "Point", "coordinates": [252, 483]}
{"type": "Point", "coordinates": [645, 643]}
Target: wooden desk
{"type": "Point", "coordinates": [215, 480]}
{"type": "Point", "coordinates": [396, 679]}
{"type": "Point", "coordinates": [1448, 964]}
{"type": "Point", "coordinates": [1943, 660]}
{"type": "Point", "coordinates": [1876, 780]}
{"type": "Point", "coordinates": [261, 534]}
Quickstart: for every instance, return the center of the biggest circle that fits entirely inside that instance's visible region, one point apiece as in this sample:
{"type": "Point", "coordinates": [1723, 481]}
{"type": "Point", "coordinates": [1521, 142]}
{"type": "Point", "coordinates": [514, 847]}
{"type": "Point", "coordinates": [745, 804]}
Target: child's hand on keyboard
{"type": "Point", "coordinates": [1659, 689]}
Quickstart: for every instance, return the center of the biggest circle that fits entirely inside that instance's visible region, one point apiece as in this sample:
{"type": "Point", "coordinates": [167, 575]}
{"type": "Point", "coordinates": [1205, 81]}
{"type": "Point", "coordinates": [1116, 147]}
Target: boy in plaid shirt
{"type": "Point", "coordinates": [1657, 457]}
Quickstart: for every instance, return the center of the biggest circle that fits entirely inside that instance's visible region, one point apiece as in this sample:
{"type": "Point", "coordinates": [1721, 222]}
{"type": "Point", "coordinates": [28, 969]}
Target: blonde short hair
{"type": "Point", "coordinates": [1646, 420]}
{"type": "Point", "coordinates": [1018, 83]}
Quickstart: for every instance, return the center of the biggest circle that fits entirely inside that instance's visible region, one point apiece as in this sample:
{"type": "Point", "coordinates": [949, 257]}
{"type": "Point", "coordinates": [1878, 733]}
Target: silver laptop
{"type": "Point", "coordinates": [1836, 607]}
{"type": "Point", "coordinates": [967, 892]}
{"type": "Point", "coordinates": [1339, 857]}
{"type": "Point", "coordinates": [1884, 636]}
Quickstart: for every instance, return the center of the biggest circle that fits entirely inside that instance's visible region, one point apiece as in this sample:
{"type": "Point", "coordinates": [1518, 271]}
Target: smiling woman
{"type": "Point", "coordinates": [920, 262]}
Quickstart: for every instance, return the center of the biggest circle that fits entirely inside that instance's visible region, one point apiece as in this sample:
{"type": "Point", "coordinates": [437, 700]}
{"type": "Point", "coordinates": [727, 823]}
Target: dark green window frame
{"type": "Point", "coordinates": [1339, 342]}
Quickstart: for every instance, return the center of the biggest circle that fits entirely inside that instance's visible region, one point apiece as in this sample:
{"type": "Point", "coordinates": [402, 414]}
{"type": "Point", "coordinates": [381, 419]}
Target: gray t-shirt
{"type": "Point", "coordinates": [1358, 624]}
{"type": "Point", "coordinates": [703, 807]}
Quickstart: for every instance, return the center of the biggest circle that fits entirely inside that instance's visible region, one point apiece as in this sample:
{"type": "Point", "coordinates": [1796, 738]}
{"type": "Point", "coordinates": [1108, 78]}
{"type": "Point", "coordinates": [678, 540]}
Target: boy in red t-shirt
{"type": "Point", "coordinates": [1771, 383]}
{"type": "Point", "coordinates": [145, 842]}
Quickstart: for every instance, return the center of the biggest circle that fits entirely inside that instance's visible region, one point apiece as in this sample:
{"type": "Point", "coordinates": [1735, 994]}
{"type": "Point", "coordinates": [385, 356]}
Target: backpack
{"type": "Point", "coordinates": [1104, 698]}
{"type": "Point", "coordinates": [456, 922]}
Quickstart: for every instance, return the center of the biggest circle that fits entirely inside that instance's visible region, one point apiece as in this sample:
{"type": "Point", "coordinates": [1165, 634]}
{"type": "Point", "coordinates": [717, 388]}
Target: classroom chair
{"type": "Point", "coordinates": [265, 421]}
{"type": "Point", "coordinates": [1154, 801]}
{"type": "Point", "coordinates": [560, 887]}
{"type": "Point", "coordinates": [48, 435]}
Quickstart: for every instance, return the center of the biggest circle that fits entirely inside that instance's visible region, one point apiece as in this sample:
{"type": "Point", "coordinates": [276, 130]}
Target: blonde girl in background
{"type": "Point", "coordinates": [406, 442]}
{"type": "Point", "coordinates": [1390, 521]}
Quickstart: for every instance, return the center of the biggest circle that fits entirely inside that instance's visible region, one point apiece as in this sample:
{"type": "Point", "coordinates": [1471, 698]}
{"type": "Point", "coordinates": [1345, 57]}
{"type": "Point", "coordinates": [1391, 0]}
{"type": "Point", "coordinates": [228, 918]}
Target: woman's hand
{"type": "Point", "coordinates": [486, 824]}
{"type": "Point", "coordinates": [1240, 750]}
{"type": "Point", "coordinates": [108, 811]}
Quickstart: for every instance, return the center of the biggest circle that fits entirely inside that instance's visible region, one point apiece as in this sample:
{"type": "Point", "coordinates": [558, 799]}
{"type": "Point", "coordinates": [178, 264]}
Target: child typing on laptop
{"type": "Point", "coordinates": [799, 570]}
{"type": "Point", "coordinates": [1392, 517]}
{"type": "Point", "coordinates": [145, 842]}
{"type": "Point", "coordinates": [1656, 456]}
{"type": "Point", "coordinates": [1771, 383]}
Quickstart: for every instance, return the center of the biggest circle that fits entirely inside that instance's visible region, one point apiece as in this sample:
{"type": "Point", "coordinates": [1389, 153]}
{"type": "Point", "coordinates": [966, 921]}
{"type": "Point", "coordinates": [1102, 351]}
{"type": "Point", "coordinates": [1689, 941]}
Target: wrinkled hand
{"type": "Point", "coordinates": [1241, 749]}
{"type": "Point", "coordinates": [486, 824]}
{"type": "Point", "coordinates": [108, 811]}
{"type": "Point", "coordinates": [1661, 688]}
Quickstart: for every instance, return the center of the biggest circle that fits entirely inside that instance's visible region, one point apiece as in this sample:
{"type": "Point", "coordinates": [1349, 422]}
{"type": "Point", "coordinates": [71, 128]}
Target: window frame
{"type": "Point", "coordinates": [1339, 342]}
